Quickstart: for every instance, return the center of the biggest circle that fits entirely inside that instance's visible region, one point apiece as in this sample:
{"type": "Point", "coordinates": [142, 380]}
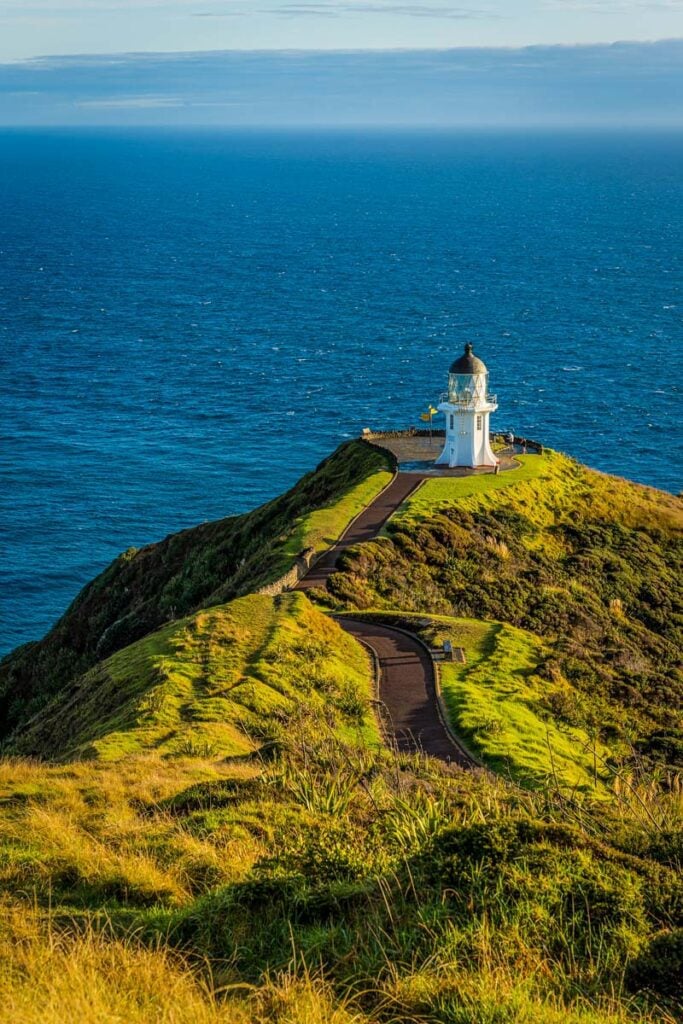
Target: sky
{"type": "Point", "coordinates": [336, 62]}
{"type": "Point", "coordinates": [31, 28]}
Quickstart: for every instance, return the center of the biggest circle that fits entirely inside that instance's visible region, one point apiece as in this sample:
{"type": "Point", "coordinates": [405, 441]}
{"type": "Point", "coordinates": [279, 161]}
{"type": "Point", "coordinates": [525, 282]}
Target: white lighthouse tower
{"type": "Point", "coordinates": [467, 406]}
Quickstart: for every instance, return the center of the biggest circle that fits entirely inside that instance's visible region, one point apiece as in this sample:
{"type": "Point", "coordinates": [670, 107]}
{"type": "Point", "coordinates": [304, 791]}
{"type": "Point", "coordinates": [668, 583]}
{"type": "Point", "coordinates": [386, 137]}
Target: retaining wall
{"type": "Point", "coordinates": [387, 435]}
{"type": "Point", "coordinates": [289, 580]}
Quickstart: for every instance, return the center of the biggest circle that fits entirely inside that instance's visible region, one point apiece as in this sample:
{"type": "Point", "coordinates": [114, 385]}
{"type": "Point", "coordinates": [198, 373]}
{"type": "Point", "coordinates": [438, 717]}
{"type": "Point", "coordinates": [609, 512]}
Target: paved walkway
{"type": "Point", "coordinates": [365, 527]}
{"type": "Point", "coordinates": [406, 685]}
{"type": "Point", "coordinates": [407, 690]}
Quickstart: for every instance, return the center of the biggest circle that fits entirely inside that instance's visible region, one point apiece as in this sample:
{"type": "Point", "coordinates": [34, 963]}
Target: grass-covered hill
{"type": "Point", "coordinates": [225, 682]}
{"type": "Point", "coordinates": [589, 564]}
{"type": "Point", "coordinates": [207, 565]}
{"type": "Point", "coordinates": [200, 825]}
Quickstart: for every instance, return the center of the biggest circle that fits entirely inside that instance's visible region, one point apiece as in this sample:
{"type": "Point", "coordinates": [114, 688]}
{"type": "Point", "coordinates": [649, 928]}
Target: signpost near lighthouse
{"type": "Point", "coordinates": [426, 417]}
{"type": "Point", "coordinates": [467, 406]}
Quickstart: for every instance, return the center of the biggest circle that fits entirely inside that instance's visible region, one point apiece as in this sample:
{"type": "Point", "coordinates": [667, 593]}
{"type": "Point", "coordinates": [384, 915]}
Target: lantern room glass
{"type": "Point", "coordinates": [465, 387]}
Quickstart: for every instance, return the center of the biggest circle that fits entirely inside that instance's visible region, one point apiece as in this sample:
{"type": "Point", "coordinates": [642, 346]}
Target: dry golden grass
{"type": "Point", "coordinates": [51, 976]}
{"type": "Point", "coordinates": [53, 979]}
{"type": "Point", "coordinates": [105, 828]}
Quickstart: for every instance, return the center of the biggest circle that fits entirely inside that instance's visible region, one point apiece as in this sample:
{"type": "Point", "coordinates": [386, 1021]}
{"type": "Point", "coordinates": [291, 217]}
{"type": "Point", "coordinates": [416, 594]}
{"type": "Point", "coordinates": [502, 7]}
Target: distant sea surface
{"type": "Point", "coordinates": [190, 321]}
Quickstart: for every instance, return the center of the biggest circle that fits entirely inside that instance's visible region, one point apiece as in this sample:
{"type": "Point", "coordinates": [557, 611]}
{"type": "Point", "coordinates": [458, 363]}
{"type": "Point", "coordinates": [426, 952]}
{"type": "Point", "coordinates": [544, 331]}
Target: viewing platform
{"type": "Point", "coordinates": [466, 401]}
{"type": "Point", "coordinates": [416, 451]}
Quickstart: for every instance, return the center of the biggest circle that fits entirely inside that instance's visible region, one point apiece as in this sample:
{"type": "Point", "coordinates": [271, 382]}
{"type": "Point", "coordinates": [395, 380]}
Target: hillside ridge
{"type": "Point", "coordinates": [199, 567]}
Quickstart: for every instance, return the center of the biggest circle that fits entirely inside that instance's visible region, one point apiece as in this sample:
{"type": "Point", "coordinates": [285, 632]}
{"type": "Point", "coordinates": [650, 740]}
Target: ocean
{"type": "Point", "coordinates": [191, 320]}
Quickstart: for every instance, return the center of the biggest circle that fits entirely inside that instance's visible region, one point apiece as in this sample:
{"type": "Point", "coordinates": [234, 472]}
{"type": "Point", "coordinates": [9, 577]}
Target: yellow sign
{"type": "Point", "coordinates": [427, 416]}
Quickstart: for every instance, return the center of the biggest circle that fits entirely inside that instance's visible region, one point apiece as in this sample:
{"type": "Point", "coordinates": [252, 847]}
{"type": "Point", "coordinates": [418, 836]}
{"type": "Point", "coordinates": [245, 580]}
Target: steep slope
{"type": "Point", "coordinates": [207, 565]}
{"type": "Point", "coordinates": [222, 682]}
{"type": "Point", "coordinates": [592, 563]}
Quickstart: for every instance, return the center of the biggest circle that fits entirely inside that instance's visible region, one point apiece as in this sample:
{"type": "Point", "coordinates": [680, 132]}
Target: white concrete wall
{"type": "Point", "coordinates": [467, 444]}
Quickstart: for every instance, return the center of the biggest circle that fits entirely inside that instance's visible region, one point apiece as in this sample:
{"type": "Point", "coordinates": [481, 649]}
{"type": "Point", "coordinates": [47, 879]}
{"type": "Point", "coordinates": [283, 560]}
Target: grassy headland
{"type": "Point", "coordinates": [222, 682]}
{"type": "Point", "coordinates": [214, 834]}
{"type": "Point", "coordinates": [589, 564]}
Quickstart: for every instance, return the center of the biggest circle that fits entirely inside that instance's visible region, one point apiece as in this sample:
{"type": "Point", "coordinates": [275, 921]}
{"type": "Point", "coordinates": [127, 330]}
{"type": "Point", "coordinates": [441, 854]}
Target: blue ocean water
{"type": "Point", "coordinates": [189, 321]}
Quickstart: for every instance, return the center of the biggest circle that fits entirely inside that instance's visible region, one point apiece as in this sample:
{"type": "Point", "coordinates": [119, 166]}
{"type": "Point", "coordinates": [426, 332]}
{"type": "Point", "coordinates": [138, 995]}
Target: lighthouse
{"type": "Point", "coordinates": [467, 406]}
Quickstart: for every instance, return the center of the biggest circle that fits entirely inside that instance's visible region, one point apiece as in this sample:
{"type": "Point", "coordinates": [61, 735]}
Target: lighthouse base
{"type": "Point", "coordinates": [453, 456]}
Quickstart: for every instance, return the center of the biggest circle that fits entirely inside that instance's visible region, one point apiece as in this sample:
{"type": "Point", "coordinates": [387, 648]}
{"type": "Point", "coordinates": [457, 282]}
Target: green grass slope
{"type": "Point", "coordinates": [331, 885]}
{"type": "Point", "coordinates": [588, 563]}
{"type": "Point", "coordinates": [441, 492]}
{"type": "Point", "coordinates": [207, 565]}
{"type": "Point", "coordinates": [498, 701]}
{"type": "Point", "coordinates": [222, 682]}
{"type": "Point", "coordinates": [502, 703]}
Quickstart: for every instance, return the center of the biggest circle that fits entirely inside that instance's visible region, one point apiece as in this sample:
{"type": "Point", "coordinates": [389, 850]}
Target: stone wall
{"type": "Point", "coordinates": [379, 435]}
{"type": "Point", "coordinates": [289, 580]}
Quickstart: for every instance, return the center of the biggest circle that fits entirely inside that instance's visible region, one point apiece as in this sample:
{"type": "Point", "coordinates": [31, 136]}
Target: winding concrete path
{"type": "Point", "coordinates": [364, 527]}
{"type": "Point", "coordinates": [407, 688]}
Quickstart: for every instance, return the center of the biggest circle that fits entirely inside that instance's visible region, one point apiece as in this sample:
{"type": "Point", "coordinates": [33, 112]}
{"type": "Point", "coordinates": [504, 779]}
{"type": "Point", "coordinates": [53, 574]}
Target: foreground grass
{"type": "Point", "coordinates": [330, 885]}
{"type": "Point", "coordinates": [89, 836]}
{"type": "Point", "coordinates": [51, 975]}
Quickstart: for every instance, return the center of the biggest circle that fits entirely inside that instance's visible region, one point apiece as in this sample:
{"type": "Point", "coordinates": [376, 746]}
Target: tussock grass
{"type": "Point", "coordinates": [50, 974]}
{"type": "Point", "coordinates": [55, 978]}
{"type": "Point", "coordinates": [334, 884]}
{"type": "Point", "coordinates": [96, 834]}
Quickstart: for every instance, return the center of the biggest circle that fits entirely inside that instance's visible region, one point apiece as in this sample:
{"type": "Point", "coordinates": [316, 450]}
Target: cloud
{"type": "Point", "coordinates": [340, 8]}
{"type": "Point", "coordinates": [618, 84]}
{"type": "Point", "coordinates": [613, 6]}
{"type": "Point", "coordinates": [401, 9]}
{"type": "Point", "coordinates": [86, 7]}
{"type": "Point", "coordinates": [131, 102]}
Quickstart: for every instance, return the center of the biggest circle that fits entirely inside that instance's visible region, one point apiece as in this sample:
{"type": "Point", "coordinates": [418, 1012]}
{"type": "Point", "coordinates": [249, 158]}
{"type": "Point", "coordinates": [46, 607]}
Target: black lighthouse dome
{"type": "Point", "coordinates": [468, 363]}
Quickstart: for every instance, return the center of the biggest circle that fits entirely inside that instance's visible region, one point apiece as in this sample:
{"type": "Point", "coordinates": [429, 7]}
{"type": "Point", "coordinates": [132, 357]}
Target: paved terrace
{"type": "Point", "coordinates": [417, 453]}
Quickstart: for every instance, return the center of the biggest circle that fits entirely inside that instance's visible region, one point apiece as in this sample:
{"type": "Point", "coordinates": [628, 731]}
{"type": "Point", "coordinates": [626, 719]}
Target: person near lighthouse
{"type": "Point", "coordinates": [467, 406]}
